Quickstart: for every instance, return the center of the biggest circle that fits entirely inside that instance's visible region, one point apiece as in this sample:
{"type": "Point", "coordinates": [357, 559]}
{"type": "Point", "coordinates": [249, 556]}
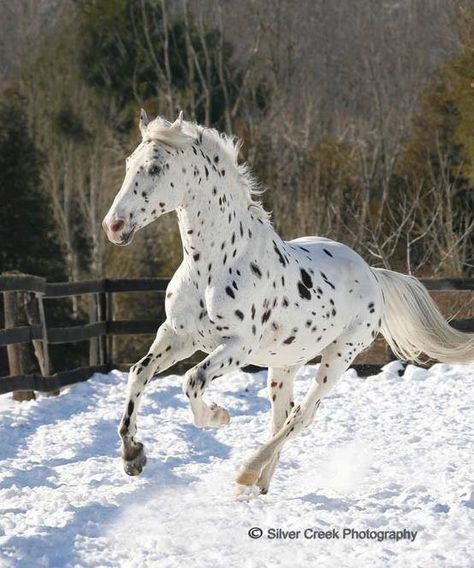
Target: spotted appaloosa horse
{"type": "Point", "coordinates": [245, 296]}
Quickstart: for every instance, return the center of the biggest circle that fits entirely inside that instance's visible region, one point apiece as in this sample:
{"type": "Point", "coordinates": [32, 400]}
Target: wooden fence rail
{"type": "Point", "coordinates": [102, 326]}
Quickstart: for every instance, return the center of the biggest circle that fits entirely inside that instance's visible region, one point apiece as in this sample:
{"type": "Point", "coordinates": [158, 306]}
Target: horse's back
{"type": "Point", "coordinates": [329, 249]}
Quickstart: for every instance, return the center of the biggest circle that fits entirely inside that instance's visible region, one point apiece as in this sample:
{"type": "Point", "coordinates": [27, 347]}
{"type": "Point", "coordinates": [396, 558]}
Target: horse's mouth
{"type": "Point", "coordinates": [126, 238]}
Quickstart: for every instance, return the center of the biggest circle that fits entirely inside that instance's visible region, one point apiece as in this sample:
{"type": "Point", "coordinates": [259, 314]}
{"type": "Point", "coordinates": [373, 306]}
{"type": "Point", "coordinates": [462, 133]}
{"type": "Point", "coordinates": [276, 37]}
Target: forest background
{"type": "Point", "coordinates": [358, 115]}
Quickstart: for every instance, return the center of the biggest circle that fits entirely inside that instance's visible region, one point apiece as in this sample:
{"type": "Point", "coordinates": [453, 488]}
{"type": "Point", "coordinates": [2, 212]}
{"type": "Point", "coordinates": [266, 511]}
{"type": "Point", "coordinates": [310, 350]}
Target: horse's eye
{"type": "Point", "coordinates": [154, 170]}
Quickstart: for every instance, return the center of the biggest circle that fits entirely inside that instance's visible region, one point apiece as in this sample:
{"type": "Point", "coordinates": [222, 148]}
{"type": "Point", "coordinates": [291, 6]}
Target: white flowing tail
{"type": "Point", "coordinates": [412, 323]}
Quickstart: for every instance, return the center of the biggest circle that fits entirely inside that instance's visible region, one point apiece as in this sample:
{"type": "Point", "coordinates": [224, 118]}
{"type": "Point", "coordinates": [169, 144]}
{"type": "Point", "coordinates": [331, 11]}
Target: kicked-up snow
{"type": "Point", "coordinates": [383, 477]}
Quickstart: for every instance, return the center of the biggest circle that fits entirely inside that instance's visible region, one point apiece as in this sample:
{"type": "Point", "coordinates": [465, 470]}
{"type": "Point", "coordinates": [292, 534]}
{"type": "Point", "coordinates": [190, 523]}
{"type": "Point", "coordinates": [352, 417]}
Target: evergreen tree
{"type": "Point", "coordinates": [128, 58]}
{"type": "Point", "coordinates": [27, 232]}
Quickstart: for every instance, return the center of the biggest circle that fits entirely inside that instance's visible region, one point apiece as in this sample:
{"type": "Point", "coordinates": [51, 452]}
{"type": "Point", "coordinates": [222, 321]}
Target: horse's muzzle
{"type": "Point", "coordinates": [118, 231]}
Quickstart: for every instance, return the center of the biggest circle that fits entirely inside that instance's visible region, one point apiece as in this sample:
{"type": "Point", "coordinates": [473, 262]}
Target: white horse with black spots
{"type": "Point", "coordinates": [245, 296]}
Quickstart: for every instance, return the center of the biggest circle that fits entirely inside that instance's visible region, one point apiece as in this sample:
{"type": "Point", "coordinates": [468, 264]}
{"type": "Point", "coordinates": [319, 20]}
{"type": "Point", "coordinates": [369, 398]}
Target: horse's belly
{"type": "Point", "coordinates": [269, 358]}
{"type": "Point", "coordinates": [207, 342]}
{"type": "Point", "coordinates": [291, 345]}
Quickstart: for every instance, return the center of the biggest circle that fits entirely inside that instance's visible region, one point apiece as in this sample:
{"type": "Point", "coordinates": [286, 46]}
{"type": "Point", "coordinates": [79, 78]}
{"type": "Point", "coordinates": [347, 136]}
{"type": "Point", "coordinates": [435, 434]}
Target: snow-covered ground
{"type": "Point", "coordinates": [386, 453]}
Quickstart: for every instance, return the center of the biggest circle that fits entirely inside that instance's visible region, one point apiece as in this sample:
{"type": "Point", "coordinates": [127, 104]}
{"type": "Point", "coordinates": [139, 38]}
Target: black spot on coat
{"type": "Point", "coordinates": [306, 278]}
{"type": "Point", "coordinates": [255, 269]}
{"type": "Point", "coordinates": [281, 258]}
{"type": "Point", "coordinates": [303, 291]}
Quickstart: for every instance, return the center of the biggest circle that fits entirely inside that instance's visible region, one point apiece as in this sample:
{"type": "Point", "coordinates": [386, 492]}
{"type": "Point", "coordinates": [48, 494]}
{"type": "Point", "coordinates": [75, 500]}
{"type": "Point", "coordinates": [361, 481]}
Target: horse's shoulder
{"type": "Point", "coordinates": [179, 286]}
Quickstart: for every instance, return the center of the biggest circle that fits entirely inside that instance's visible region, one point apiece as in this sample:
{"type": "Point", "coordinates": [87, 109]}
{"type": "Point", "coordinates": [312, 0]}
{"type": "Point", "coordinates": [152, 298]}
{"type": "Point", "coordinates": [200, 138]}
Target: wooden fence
{"type": "Point", "coordinates": [102, 326]}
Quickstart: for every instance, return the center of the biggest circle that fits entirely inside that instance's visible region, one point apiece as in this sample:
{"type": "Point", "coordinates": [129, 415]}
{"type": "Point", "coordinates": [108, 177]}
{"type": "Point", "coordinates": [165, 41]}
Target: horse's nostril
{"type": "Point", "coordinates": [117, 225]}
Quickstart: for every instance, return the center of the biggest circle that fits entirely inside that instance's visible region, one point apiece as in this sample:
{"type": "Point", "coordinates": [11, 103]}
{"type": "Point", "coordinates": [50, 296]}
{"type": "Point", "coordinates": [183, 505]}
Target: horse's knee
{"type": "Point", "coordinates": [194, 382]}
{"type": "Point", "coordinates": [141, 368]}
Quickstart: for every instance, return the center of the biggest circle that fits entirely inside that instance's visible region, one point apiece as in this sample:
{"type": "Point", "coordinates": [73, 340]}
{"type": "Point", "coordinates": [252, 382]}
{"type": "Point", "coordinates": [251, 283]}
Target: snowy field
{"type": "Point", "coordinates": [387, 453]}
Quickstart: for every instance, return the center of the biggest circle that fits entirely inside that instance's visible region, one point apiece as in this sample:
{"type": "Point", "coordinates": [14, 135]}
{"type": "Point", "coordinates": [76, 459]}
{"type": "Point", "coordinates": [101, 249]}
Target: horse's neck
{"type": "Point", "coordinates": [217, 228]}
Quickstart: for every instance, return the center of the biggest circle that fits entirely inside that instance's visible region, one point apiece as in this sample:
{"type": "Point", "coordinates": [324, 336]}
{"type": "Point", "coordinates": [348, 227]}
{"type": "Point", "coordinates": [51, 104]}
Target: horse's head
{"type": "Point", "coordinates": [153, 183]}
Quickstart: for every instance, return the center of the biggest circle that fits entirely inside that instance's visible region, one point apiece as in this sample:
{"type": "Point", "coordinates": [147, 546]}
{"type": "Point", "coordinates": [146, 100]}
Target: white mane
{"type": "Point", "coordinates": [183, 133]}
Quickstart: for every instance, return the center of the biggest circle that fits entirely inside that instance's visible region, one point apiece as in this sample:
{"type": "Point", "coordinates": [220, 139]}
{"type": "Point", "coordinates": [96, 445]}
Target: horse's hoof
{"type": "Point", "coordinates": [220, 416]}
{"type": "Point", "coordinates": [247, 476]}
{"type": "Point", "coordinates": [247, 492]}
{"type": "Point", "coordinates": [217, 416]}
{"type": "Point", "coordinates": [135, 466]}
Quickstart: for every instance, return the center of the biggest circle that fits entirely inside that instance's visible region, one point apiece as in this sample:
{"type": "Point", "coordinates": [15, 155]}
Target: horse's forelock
{"type": "Point", "coordinates": [161, 130]}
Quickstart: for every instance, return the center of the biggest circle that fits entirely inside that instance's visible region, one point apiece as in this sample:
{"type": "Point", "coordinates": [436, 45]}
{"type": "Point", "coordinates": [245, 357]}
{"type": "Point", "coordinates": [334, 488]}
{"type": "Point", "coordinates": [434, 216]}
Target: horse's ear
{"type": "Point", "coordinates": [143, 122]}
{"type": "Point", "coordinates": [177, 124]}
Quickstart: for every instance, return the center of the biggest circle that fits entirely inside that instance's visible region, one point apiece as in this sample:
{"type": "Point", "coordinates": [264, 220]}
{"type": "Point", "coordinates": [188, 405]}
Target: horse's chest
{"type": "Point", "coordinates": [189, 314]}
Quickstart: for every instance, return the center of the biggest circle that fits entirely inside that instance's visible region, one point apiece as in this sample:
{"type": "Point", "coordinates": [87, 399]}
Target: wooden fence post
{"type": "Point", "coordinates": [110, 337]}
{"type": "Point", "coordinates": [103, 345]}
{"type": "Point", "coordinates": [42, 318]}
{"type": "Point", "coordinates": [34, 309]}
{"type": "Point", "coordinates": [17, 353]}
{"type": "Point", "coordinates": [93, 341]}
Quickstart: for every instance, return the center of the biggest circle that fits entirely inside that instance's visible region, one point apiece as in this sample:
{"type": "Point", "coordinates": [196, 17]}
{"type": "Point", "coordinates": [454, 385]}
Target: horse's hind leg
{"type": "Point", "coordinates": [280, 391]}
{"type": "Point", "coordinates": [336, 358]}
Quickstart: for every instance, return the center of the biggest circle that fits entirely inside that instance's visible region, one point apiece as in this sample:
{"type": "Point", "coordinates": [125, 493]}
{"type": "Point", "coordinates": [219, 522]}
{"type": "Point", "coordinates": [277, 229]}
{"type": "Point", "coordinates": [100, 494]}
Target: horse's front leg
{"type": "Point", "coordinates": [225, 358]}
{"type": "Point", "coordinates": [167, 349]}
